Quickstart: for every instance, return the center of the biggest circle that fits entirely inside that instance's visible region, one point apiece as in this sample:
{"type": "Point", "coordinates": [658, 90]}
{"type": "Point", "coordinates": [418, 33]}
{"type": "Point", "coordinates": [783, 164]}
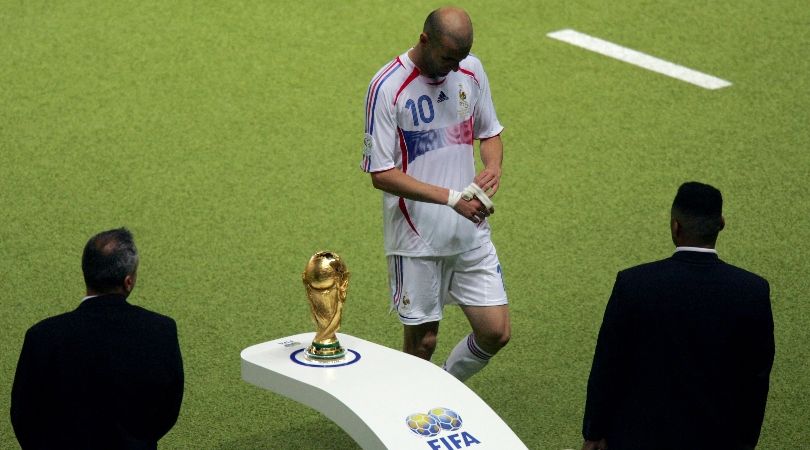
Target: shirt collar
{"type": "Point", "coordinates": [695, 249]}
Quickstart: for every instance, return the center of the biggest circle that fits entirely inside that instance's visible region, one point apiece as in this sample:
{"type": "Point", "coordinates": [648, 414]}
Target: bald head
{"type": "Point", "coordinates": [450, 23]}
{"type": "Point", "coordinates": [444, 42]}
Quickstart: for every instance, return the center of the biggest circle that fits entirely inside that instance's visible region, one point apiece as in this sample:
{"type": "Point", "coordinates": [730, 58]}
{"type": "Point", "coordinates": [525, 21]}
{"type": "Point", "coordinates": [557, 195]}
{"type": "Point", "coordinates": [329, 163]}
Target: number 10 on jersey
{"type": "Point", "coordinates": [420, 106]}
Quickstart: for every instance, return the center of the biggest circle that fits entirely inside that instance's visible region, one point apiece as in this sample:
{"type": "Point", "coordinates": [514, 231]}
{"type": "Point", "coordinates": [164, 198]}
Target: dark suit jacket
{"type": "Point", "coordinates": [107, 375]}
{"type": "Point", "coordinates": [683, 357]}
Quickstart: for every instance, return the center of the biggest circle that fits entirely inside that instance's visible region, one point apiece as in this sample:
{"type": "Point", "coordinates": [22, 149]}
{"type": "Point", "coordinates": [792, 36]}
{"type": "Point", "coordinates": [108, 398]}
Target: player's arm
{"type": "Point", "coordinates": [398, 183]}
{"type": "Point", "coordinates": [395, 182]}
{"type": "Point", "coordinates": [492, 156]}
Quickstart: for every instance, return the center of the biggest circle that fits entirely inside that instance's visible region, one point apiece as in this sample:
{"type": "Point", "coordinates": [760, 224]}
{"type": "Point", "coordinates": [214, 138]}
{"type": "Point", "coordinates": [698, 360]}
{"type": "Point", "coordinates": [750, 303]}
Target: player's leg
{"type": "Point", "coordinates": [477, 286]}
{"type": "Point", "coordinates": [491, 326]}
{"type": "Point", "coordinates": [415, 285]}
{"type": "Point", "coordinates": [420, 340]}
{"type": "Point", "coordinates": [491, 332]}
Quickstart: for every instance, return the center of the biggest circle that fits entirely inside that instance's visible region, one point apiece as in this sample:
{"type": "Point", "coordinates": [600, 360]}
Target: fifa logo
{"type": "Point", "coordinates": [434, 422]}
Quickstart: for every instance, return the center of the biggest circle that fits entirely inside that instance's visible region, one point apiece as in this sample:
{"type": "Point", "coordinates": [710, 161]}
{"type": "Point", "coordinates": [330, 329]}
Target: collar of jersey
{"type": "Point", "coordinates": [409, 64]}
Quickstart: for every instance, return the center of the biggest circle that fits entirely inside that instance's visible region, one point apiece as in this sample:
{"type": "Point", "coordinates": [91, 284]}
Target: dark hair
{"type": "Point", "coordinates": [699, 209]}
{"type": "Point", "coordinates": [108, 258]}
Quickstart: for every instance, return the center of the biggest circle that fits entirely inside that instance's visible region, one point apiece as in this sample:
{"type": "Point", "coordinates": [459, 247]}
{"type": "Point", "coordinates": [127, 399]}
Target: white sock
{"type": "Point", "coordinates": [466, 359]}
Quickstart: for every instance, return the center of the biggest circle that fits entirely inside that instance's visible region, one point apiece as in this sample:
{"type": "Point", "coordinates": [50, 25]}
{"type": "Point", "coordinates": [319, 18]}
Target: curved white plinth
{"type": "Point", "coordinates": [372, 391]}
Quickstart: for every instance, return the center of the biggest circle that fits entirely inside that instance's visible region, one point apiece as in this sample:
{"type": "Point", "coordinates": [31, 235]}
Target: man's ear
{"type": "Point", "coordinates": [675, 226]}
{"type": "Point", "coordinates": [129, 282]}
{"type": "Point", "coordinates": [675, 229]}
{"type": "Point", "coordinates": [722, 223]}
{"type": "Point", "coordinates": [423, 38]}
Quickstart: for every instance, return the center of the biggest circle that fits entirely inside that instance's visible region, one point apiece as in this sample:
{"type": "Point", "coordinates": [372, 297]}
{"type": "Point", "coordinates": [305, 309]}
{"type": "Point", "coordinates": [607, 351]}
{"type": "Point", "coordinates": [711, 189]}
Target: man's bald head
{"type": "Point", "coordinates": [444, 42]}
{"type": "Point", "coordinates": [450, 23]}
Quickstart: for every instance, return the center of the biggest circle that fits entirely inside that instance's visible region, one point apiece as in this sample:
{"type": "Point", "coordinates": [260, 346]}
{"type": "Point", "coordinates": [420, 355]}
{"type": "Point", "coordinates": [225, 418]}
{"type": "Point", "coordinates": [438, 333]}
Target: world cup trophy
{"type": "Point", "coordinates": [326, 280]}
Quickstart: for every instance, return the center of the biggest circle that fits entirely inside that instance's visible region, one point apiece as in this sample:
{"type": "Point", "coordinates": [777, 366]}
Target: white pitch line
{"type": "Point", "coordinates": [637, 58]}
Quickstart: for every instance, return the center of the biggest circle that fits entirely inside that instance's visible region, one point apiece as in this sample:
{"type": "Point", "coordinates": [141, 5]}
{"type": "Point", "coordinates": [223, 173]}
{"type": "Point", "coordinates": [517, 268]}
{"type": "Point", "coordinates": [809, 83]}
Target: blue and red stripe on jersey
{"type": "Point", "coordinates": [374, 90]}
{"type": "Point", "coordinates": [417, 143]}
{"type": "Point", "coordinates": [405, 159]}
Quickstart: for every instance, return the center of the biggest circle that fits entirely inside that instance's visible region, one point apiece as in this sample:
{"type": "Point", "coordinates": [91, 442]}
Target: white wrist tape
{"type": "Point", "coordinates": [473, 190]}
{"type": "Point", "coordinates": [453, 198]}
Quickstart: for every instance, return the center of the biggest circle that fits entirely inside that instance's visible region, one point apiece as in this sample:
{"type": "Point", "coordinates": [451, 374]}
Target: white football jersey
{"type": "Point", "coordinates": [426, 127]}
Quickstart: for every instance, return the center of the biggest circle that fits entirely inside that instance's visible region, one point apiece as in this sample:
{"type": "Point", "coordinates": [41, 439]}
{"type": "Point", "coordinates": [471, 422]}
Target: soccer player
{"type": "Point", "coordinates": [424, 110]}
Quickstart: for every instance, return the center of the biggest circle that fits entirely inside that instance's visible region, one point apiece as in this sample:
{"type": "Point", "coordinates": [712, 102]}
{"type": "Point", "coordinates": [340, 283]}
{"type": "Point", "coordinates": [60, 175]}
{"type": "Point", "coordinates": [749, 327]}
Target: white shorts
{"type": "Point", "coordinates": [421, 286]}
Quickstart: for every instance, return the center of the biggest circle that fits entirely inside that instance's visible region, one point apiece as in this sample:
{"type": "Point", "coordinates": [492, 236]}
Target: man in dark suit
{"type": "Point", "coordinates": [107, 375]}
{"type": "Point", "coordinates": [686, 345]}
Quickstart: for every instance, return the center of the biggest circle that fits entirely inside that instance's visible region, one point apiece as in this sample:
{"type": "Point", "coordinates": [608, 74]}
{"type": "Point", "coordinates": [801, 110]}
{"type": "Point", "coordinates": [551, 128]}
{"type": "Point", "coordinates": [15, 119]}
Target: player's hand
{"type": "Point", "coordinates": [489, 180]}
{"type": "Point", "coordinates": [473, 210]}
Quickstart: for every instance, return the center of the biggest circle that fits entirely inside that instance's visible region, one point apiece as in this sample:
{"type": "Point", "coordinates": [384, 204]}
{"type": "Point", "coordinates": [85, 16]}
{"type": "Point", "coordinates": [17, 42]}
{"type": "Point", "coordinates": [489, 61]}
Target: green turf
{"type": "Point", "coordinates": [227, 136]}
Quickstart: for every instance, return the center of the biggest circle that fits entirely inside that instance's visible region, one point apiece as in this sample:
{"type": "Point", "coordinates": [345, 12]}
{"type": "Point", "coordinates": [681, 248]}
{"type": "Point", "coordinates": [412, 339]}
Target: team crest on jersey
{"type": "Point", "coordinates": [442, 97]}
{"type": "Point", "coordinates": [463, 104]}
{"type": "Point", "coordinates": [368, 143]}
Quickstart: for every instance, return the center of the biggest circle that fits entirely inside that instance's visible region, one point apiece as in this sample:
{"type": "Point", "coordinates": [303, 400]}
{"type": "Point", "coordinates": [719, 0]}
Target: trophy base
{"type": "Point", "coordinates": [332, 351]}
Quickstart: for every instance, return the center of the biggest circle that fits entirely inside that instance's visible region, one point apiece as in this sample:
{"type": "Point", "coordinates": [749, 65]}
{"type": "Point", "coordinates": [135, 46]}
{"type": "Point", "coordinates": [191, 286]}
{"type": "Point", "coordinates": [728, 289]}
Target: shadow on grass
{"type": "Point", "coordinates": [298, 435]}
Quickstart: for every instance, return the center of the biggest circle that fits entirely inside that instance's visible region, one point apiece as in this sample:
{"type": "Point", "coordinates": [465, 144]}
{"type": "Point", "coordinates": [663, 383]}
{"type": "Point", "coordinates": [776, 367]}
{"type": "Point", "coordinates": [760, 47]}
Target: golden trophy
{"type": "Point", "coordinates": [326, 281]}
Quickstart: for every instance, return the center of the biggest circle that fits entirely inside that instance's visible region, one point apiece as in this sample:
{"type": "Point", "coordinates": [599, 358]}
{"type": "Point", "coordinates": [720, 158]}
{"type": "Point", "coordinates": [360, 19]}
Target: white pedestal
{"type": "Point", "coordinates": [373, 390]}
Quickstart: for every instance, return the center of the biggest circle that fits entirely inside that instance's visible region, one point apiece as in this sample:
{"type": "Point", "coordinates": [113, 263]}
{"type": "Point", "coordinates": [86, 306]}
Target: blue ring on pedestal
{"type": "Point", "coordinates": [299, 358]}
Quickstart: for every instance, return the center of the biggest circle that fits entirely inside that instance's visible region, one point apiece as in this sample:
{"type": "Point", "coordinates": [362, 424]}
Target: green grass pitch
{"type": "Point", "coordinates": [227, 136]}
